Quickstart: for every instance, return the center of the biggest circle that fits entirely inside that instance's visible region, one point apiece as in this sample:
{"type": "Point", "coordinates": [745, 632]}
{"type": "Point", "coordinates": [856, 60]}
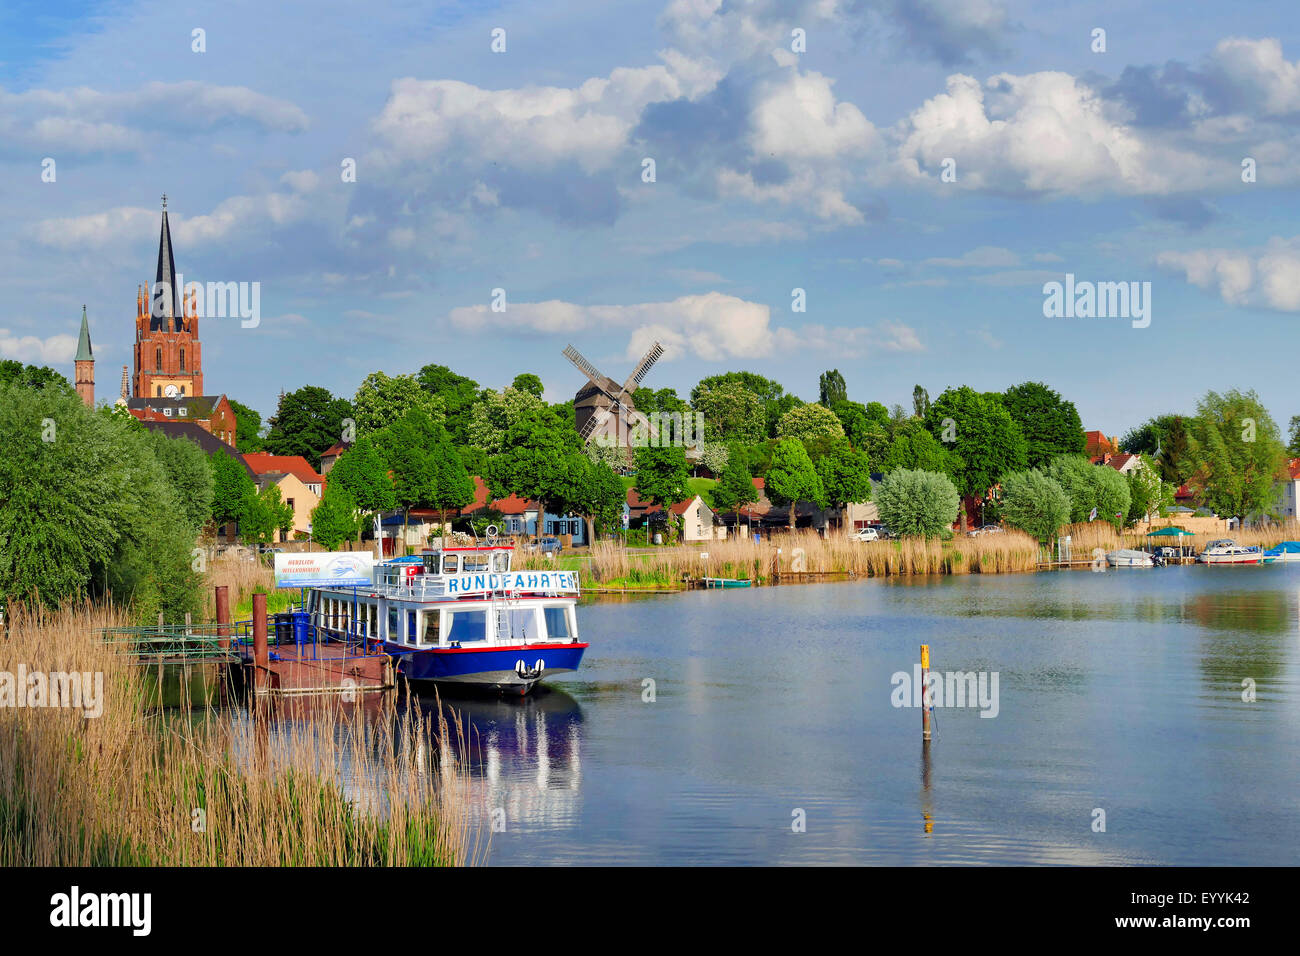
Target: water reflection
{"type": "Point", "coordinates": [523, 756]}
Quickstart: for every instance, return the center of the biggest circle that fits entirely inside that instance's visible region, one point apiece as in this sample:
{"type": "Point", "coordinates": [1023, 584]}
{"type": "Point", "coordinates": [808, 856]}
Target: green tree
{"type": "Point", "coordinates": [13, 372]}
{"type": "Point", "coordinates": [662, 476]}
{"type": "Point", "coordinates": [248, 427]}
{"type": "Point", "coordinates": [336, 517]}
{"type": "Point", "coordinates": [528, 382]}
{"type": "Point", "coordinates": [1091, 486]}
{"type": "Point", "coordinates": [921, 503]}
{"type": "Point", "coordinates": [1035, 504]}
{"type": "Point", "coordinates": [230, 484]}
{"type": "Point", "coordinates": [87, 509]}
{"type": "Point", "coordinates": [731, 412]}
{"type": "Point", "coordinates": [1163, 439]}
{"type": "Point", "coordinates": [831, 388]}
{"type": "Point", "coordinates": [601, 499]}
{"type": "Point", "coordinates": [808, 422]}
{"type": "Point", "coordinates": [773, 396]}
{"type": "Point", "coordinates": [735, 487]}
{"type": "Point", "coordinates": [307, 422]}
{"type": "Point", "coordinates": [453, 488]}
{"type": "Point", "coordinates": [542, 459]}
{"type": "Point", "coordinates": [844, 471]}
{"type": "Point", "coordinates": [264, 513]}
{"type": "Point", "coordinates": [405, 446]}
{"type": "Point", "coordinates": [361, 470]}
{"type": "Point", "coordinates": [1050, 424]}
{"type": "Point", "coordinates": [920, 402]}
{"type": "Point", "coordinates": [1293, 436]}
{"type": "Point", "coordinates": [879, 414]}
{"type": "Point", "coordinates": [986, 441]}
{"type": "Point", "coordinates": [382, 399]}
{"type": "Point", "coordinates": [913, 447]}
{"type": "Point", "coordinates": [457, 395]}
{"type": "Point", "coordinates": [496, 413]}
{"type": "Point", "coordinates": [791, 477]}
{"type": "Point", "coordinates": [1235, 454]}
{"type": "Point", "coordinates": [190, 473]}
{"type": "Point", "coordinates": [1148, 494]}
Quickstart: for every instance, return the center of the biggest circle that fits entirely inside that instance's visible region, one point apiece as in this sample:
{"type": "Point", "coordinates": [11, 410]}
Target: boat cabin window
{"type": "Point", "coordinates": [501, 561]}
{"type": "Point", "coordinates": [466, 626]}
{"type": "Point", "coordinates": [476, 562]}
{"type": "Point", "coordinates": [394, 624]}
{"type": "Point", "coordinates": [429, 634]}
{"type": "Point", "coordinates": [520, 625]}
{"type": "Point", "coordinates": [450, 563]}
{"type": "Point", "coordinates": [410, 627]}
{"type": "Point", "coordinates": [557, 622]}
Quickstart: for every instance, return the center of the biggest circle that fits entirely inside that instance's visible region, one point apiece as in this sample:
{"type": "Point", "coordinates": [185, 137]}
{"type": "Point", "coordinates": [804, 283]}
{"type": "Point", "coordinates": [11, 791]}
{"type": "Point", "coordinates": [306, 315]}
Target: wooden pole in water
{"type": "Point", "coordinates": [261, 659]}
{"type": "Point", "coordinates": [223, 616]}
{"type": "Point", "coordinates": [925, 697]}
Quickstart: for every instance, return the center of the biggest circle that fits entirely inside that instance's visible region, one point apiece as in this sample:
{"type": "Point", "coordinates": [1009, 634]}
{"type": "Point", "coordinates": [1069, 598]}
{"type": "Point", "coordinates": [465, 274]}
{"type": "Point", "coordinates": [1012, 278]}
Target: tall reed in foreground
{"type": "Point", "coordinates": [336, 784]}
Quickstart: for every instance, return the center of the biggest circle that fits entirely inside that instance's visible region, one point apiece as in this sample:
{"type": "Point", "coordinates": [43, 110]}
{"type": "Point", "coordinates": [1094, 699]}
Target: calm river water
{"type": "Point", "coordinates": [1120, 691]}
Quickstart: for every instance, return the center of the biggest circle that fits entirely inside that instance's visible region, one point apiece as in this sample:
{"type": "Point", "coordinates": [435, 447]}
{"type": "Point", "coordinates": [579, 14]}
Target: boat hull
{"type": "Point", "coordinates": [1130, 559]}
{"type": "Point", "coordinates": [492, 668]}
{"type": "Point", "coordinates": [1229, 559]}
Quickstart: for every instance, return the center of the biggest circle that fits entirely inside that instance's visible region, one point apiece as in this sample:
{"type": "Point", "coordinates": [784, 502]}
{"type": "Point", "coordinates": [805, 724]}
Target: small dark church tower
{"type": "Point", "coordinates": [168, 361]}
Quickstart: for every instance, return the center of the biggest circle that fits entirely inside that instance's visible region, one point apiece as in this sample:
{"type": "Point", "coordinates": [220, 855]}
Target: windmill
{"type": "Point", "coordinates": [604, 407]}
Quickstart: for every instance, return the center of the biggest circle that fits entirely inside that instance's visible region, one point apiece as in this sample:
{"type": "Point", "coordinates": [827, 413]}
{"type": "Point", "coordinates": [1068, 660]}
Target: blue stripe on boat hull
{"type": "Point", "coordinates": [493, 666]}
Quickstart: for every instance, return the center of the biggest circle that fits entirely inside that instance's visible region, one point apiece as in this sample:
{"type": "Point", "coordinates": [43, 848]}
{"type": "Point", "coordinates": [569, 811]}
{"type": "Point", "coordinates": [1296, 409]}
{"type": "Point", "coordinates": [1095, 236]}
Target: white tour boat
{"type": "Point", "coordinates": [462, 616]}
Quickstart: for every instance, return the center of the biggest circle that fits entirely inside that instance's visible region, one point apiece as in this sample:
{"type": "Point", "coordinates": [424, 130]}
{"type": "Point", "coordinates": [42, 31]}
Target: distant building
{"type": "Point", "coordinates": [296, 494]}
{"type": "Point", "coordinates": [263, 463]}
{"type": "Point", "coordinates": [331, 455]}
{"type": "Point", "coordinates": [1288, 506]}
{"type": "Point", "coordinates": [210, 412]}
{"type": "Point", "coordinates": [1098, 445]}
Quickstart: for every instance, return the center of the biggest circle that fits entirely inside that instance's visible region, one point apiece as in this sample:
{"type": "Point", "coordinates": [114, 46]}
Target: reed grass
{"type": "Point", "coordinates": [346, 785]}
{"type": "Point", "coordinates": [612, 566]}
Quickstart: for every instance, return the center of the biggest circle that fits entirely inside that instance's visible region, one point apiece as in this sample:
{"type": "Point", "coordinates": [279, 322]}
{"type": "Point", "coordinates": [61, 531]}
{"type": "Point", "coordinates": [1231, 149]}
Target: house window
{"type": "Point", "coordinates": [167, 411]}
{"type": "Point", "coordinates": [182, 389]}
{"type": "Point", "coordinates": [182, 360]}
{"type": "Point", "coordinates": [158, 391]}
{"type": "Point", "coordinates": [291, 507]}
{"type": "Point", "coordinates": [182, 411]}
{"type": "Point", "coordinates": [157, 359]}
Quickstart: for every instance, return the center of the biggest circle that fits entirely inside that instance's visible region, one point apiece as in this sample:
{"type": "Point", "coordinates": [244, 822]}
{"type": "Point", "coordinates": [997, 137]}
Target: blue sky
{"type": "Point", "coordinates": [775, 170]}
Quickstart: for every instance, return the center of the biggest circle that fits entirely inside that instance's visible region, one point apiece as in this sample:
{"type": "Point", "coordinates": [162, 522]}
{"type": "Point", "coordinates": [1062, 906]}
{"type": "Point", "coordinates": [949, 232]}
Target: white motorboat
{"type": "Point", "coordinates": [1227, 551]}
{"type": "Point", "coordinates": [1130, 558]}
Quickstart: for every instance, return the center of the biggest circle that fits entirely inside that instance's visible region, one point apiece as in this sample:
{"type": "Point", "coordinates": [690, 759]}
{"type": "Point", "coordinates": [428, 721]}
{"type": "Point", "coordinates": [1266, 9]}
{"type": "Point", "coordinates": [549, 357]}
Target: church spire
{"type": "Point", "coordinates": [83, 344]}
{"type": "Point", "coordinates": [168, 316]}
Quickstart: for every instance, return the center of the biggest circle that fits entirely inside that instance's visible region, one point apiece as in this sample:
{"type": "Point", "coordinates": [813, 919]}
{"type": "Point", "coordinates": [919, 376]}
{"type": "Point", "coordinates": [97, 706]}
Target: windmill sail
{"type": "Point", "coordinates": [643, 367]}
{"type": "Point", "coordinates": [585, 367]}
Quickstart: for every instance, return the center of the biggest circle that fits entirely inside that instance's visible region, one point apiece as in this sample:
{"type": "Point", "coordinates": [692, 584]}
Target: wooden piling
{"type": "Point", "coordinates": [223, 616]}
{"type": "Point", "coordinates": [925, 694]}
{"type": "Point", "coordinates": [261, 657]}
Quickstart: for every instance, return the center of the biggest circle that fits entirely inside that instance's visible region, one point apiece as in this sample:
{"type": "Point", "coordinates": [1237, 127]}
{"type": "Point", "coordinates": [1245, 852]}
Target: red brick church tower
{"type": "Point", "coordinates": [168, 360]}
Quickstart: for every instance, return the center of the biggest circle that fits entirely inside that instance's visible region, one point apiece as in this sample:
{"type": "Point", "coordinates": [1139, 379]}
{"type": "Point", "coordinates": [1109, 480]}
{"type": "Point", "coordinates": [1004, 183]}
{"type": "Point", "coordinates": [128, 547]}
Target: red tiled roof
{"type": "Point", "coordinates": [261, 462]}
{"type": "Point", "coordinates": [1119, 461]}
{"type": "Point", "coordinates": [337, 448]}
{"type": "Point", "coordinates": [759, 483]}
{"type": "Point", "coordinates": [1293, 467]}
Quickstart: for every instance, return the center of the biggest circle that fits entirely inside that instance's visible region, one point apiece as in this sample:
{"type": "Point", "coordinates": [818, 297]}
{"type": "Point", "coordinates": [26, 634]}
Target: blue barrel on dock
{"type": "Point", "coordinates": [292, 627]}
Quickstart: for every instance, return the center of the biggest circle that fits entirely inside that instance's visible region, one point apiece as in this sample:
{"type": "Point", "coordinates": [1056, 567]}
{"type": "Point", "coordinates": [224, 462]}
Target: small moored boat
{"type": "Point", "coordinates": [726, 583]}
{"type": "Point", "coordinates": [1287, 551]}
{"type": "Point", "coordinates": [1227, 551]}
{"type": "Point", "coordinates": [1130, 558]}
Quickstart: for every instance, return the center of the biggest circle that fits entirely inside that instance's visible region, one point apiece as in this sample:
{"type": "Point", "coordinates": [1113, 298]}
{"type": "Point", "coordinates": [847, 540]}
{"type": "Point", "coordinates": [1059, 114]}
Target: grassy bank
{"type": "Point", "coordinates": [333, 786]}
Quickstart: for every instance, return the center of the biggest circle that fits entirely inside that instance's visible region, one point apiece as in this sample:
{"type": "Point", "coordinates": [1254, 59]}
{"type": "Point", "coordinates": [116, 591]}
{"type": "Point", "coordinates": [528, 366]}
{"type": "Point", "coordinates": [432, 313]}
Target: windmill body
{"type": "Point", "coordinates": [603, 409]}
